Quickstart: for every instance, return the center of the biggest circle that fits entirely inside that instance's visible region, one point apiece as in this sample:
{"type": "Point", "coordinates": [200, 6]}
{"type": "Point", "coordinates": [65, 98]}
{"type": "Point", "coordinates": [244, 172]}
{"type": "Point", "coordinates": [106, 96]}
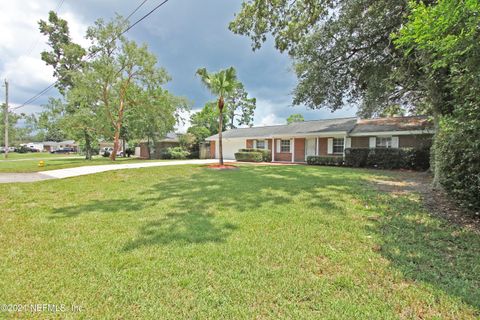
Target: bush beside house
{"type": "Point", "coordinates": [458, 143]}
{"type": "Point", "coordinates": [175, 153]}
{"type": "Point", "coordinates": [266, 154]}
{"type": "Point", "coordinates": [250, 156]}
{"type": "Point", "coordinates": [325, 161]}
{"type": "Point", "coordinates": [381, 158]}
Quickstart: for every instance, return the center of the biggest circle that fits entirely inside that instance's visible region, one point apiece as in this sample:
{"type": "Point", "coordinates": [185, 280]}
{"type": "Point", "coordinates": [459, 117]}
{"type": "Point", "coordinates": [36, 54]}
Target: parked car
{"type": "Point", "coordinates": [63, 150]}
{"type": "Point", "coordinates": [107, 150]}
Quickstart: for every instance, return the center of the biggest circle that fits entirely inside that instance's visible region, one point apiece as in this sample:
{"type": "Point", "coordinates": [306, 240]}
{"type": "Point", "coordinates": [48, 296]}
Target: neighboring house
{"type": "Point", "coordinates": [50, 146]}
{"type": "Point", "coordinates": [170, 140]}
{"type": "Point", "coordinates": [296, 141]}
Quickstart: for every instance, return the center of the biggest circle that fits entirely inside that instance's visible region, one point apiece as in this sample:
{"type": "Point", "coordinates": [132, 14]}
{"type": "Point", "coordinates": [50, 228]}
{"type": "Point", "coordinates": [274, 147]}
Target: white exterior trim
{"type": "Point", "coordinates": [292, 149]}
{"type": "Point", "coordinates": [273, 150]}
{"type": "Point", "coordinates": [391, 133]}
{"type": "Point", "coordinates": [330, 146]}
{"type": "Point", "coordinates": [335, 134]}
{"type": "Point", "coordinates": [372, 142]}
{"type": "Point", "coordinates": [348, 143]}
{"type": "Point", "coordinates": [395, 142]}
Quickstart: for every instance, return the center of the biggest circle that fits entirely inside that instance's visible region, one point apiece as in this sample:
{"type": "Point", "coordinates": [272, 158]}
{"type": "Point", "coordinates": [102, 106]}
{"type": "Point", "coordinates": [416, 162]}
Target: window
{"type": "Point", "coordinates": [260, 144]}
{"type": "Point", "coordinates": [285, 146]}
{"type": "Point", "coordinates": [384, 142]}
{"type": "Point", "coordinates": [338, 145]}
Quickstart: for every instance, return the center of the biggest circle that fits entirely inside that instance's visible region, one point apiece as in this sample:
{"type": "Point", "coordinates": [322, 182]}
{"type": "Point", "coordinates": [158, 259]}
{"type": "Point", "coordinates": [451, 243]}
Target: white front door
{"type": "Point", "coordinates": [310, 147]}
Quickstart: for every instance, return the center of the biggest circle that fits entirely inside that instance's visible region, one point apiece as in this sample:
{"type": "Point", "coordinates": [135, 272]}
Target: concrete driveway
{"type": "Point", "coordinates": [80, 171]}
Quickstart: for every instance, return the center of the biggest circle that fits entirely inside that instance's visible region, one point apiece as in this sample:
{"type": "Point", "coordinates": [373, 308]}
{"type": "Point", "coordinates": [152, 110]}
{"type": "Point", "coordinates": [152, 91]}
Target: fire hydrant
{"type": "Point", "coordinates": [41, 163]}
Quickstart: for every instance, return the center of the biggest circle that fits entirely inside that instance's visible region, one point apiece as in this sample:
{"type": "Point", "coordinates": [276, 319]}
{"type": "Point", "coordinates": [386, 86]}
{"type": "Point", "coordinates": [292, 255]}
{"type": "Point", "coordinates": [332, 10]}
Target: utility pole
{"type": "Point", "coordinates": [5, 115]}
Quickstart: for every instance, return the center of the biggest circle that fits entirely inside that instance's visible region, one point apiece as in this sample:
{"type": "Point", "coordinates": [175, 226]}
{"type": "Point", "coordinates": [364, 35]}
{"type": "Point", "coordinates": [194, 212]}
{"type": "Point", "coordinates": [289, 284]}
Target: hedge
{"type": "Point", "coordinates": [384, 158]}
{"type": "Point", "coordinates": [266, 154]}
{"type": "Point", "coordinates": [175, 153]}
{"type": "Point", "coordinates": [356, 157]}
{"type": "Point", "coordinates": [458, 147]}
{"type": "Point", "coordinates": [325, 161]}
{"type": "Point", "coordinates": [249, 156]}
{"type": "Point", "coordinates": [388, 158]}
{"type": "Point", "coordinates": [416, 159]}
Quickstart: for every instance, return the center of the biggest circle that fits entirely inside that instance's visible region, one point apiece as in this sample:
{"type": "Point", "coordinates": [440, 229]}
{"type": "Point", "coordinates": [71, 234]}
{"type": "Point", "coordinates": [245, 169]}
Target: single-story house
{"type": "Point", "coordinates": [329, 137]}
{"type": "Point", "coordinates": [170, 140]}
{"type": "Point", "coordinates": [50, 146]}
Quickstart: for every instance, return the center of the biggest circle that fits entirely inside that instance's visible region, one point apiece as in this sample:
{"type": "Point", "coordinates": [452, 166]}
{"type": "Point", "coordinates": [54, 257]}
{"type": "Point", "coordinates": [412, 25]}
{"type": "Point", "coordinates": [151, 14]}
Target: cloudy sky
{"type": "Point", "coordinates": [184, 34]}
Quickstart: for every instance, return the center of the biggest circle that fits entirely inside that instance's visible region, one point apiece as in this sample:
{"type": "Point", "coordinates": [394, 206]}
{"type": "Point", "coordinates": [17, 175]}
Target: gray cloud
{"type": "Point", "coordinates": [188, 34]}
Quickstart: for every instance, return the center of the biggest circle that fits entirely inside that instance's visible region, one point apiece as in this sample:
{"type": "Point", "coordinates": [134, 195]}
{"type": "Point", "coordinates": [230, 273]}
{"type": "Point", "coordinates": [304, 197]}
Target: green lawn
{"type": "Point", "coordinates": [36, 155]}
{"type": "Point", "coordinates": [292, 242]}
{"type": "Point", "coordinates": [52, 163]}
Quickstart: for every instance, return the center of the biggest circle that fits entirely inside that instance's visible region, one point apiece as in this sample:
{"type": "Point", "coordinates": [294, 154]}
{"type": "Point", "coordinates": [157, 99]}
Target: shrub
{"type": "Point", "coordinates": [22, 149]}
{"type": "Point", "coordinates": [106, 154]}
{"type": "Point", "coordinates": [266, 154]}
{"type": "Point", "coordinates": [384, 158]}
{"type": "Point", "coordinates": [416, 159]}
{"type": "Point", "coordinates": [130, 152]}
{"type": "Point", "coordinates": [249, 156]}
{"type": "Point", "coordinates": [458, 147]}
{"type": "Point", "coordinates": [356, 157]}
{"type": "Point", "coordinates": [325, 161]}
{"type": "Point", "coordinates": [175, 153]}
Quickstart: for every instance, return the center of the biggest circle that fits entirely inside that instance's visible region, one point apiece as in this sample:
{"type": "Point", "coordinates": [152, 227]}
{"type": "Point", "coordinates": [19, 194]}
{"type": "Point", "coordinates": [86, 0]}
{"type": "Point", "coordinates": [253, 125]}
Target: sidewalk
{"type": "Point", "coordinates": [80, 171]}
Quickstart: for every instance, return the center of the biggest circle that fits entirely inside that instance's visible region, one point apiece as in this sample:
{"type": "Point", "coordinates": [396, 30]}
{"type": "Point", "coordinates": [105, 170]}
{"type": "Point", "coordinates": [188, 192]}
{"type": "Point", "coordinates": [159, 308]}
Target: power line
{"type": "Point", "coordinates": [136, 9]}
{"type": "Point", "coordinates": [92, 54]}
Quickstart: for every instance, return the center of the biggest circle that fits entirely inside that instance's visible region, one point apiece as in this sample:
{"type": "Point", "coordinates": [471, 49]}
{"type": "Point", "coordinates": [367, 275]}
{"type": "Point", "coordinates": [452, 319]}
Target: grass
{"type": "Point", "coordinates": [53, 162]}
{"type": "Point", "coordinates": [35, 155]}
{"type": "Point", "coordinates": [259, 242]}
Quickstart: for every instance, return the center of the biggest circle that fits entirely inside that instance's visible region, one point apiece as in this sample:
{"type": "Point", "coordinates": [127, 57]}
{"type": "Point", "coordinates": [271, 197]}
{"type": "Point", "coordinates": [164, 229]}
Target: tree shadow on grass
{"type": "Point", "coordinates": [427, 248]}
{"type": "Point", "coordinates": [195, 204]}
{"type": "Point", "coordinates": [424, 248]}
{"type": "Point", "coordinates": [181, 229]}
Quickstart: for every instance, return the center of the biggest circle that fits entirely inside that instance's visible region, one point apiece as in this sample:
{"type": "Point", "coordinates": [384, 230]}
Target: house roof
{"type": "Point", "coordinates": [293, 129]}
{"type": "Point", "coordinates": [171, 137]}
{"type": "Point", "coordinates": [339, 125]}
{"type": "Point", "coordinates": [54, 143]}
{"type": "Point", "coordinates": [412, 123]}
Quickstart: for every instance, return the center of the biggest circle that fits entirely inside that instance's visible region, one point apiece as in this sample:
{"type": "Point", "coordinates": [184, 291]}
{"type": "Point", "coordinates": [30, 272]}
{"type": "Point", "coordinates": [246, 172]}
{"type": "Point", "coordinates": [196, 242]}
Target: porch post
{"type": "Point", "coordinates": [293, 149]}
{"type": "Point", "coordinates": [273, 149]}
{"type": "Point", "coordinates": [316, 146]}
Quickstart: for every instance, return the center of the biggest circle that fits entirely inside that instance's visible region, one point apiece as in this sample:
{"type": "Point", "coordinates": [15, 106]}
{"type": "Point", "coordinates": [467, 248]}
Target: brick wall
{"type": "Point", "coordinates": [212, 149]}
{"type": "Point", "coordinates": [415, 141]}
{"type": "Point", "coordinates": [360, 142]}
{"type": "Point", "coordinates": [249, 143]}
{"type": "Point", "coordinates": [299, 150]}
{"type": "Point", "coordinates": [144, 150]}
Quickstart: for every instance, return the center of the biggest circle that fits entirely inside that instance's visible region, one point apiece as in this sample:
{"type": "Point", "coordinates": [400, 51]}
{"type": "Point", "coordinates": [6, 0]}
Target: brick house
{"type": "Point", "coordinates": [329, 137]}
{"type": "Point", "coordinates": [170, 140]}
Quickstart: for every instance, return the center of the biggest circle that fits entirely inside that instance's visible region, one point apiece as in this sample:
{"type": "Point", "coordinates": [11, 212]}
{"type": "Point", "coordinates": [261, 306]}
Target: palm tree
{"type": "Point", "coordinates": [220, 84]}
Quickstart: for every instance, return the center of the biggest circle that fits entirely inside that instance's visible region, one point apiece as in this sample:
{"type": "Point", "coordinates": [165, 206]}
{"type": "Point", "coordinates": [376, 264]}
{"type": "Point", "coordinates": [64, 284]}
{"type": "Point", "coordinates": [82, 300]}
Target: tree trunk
{"type": "Point", "coordinates": [220, 147]}
{"type": "Point", "coordinates": [435, 162]}
{"type": "Point", "coordinates": [116, 141]}
{"type": "Point", "coordinates": [88, 146]}
{"type": "Point", "coordinates": [148, 149]}
{"type": "Point", "coordinates": [118, 128]}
